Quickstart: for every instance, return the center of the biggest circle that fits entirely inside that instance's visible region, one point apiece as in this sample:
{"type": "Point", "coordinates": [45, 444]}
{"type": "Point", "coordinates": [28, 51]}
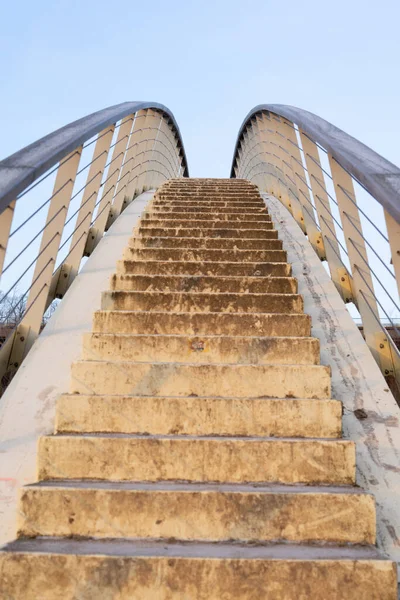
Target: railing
{"type": "Point", "coordinates": [59, 196]}
{"type": "Point", "coordinates": [315, 169]}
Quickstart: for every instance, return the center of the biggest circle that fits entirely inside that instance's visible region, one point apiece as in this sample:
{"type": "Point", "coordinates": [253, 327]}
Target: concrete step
{"type": "Point", "coordinates": [175, 379]}
{"type": "Point", "coordinates": [240, 192]}
{"type": "Point", "coordinates": [199, 416]}
{"type": "Point", "coordinates": [205, 254]}
{"type": "Point", "coordinates": [156, 458]}
{"type": "Point", "coordinates": [198, 512]}
{"type": "Point", "coordinates": [225, 215]}
{"type": "Point", "coordinates": [180, 283]}
{"type": "Point", "coordinates": [196, 268]}
{"type": "Point", "coordinates": [158, 570]}
{"type": "Point", "coordinates": [254, 324]}
{"type": "Point", "coordinates": [224, 232]}
{"type": "Point", "coordinates": [201, 350]}
{"type": "Point", "coordinates": [211, 224]}
{"type": "Point", "coordinates": [202, 302]}
{"type": "Point", "coordinates": [196, 243]}
{"type": "Point", "coordinates": [232, 205]}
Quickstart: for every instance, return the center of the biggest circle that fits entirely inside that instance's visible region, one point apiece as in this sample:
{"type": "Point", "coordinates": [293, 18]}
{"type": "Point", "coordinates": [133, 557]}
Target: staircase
{"type": "Point", "coordinates": [198, 455]}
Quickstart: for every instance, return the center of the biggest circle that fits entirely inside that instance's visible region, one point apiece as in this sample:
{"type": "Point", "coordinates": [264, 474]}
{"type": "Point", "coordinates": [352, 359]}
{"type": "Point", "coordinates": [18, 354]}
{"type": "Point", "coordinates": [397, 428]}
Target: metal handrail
{"type": "Point", "coordinates": [380, 177]}
{"type": "Point", "coordinates": [24, 167]}
{"type": "Point", "coordinates": [278, 149]}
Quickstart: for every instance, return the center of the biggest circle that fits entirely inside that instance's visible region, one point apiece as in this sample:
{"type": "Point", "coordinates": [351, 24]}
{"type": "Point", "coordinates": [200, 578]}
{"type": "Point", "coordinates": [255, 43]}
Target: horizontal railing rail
{"type": "Point", "coordinates": [84, 175]}
{"type": "Point", "coordinates": [314, 168]}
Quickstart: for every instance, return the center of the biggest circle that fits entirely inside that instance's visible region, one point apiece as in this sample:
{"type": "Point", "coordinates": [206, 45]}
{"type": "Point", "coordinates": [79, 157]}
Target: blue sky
{"type": "Point", "coordinates": [209, 62]}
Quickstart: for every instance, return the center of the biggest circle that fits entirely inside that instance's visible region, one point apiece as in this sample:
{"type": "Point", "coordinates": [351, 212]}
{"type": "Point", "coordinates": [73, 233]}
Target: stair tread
{"type": "Point", "coordinates": [201, 550]}
{"type": "Point", "coordinates": [179, 486]}
{"type": "Point", "coordinates": [200, 438]}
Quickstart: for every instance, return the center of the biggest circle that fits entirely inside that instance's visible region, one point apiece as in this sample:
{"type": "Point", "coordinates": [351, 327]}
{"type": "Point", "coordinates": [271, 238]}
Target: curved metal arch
{"type": "Point", "coordinates": [21, 169]}
{"type": "Point", "coordinates": [380, 177]}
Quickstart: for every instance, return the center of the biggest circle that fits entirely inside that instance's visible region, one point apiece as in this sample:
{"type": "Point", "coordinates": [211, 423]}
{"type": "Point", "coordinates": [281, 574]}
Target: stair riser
{"type": "Point", "coordinates": [201, 350]}
{"type": "Point", "coordinates": [222, 232]}
{"type": "Point", "coordinates": [207, 255]}
{"type": "Point", "coordinates": [210, 205]}
{"type": "Point", "coordinates": [198, 516]}
{"type": "Point", "coordinates": [211, 224]}
{"type": "Point", "coordinates": [255, 285]}
{"type": "Point", "coordinates": [199, 416]}
{"type": "Point", "coordinates": [157, 459]}
{"type": "Point", "coordinates": [239, 194]}
{"type": "Point", "coordinates": [202, 302]}
{"type": "Point", "coordinates": [204, 268]}
{"type": "Point", "coordinates": [267, 325]}
{"type": "Point", "coordinates": [205, 243]}
{"type": "Point", "coordinates": [166, 578]}
{"type": "Point", "coordinates": [224, 215]}
{"type": "Point", "coordinates": [172, 379]}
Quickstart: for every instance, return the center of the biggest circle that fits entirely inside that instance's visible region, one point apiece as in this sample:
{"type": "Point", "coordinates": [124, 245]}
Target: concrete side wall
{"type": "Point", "coordinates": [27, 409]}
{"type": "Point", "coordinates": [371, 415]}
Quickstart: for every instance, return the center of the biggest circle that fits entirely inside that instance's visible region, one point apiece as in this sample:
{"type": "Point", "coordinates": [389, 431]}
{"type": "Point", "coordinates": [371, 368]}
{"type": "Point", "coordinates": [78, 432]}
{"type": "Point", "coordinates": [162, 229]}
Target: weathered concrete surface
{"type": "Point", "coordinates": [205, 254]}
{"type": "Point", "coordinates": [205, 243]}
{"type": "Point", "coordinates": [180, 379]}
{"type": "Point", "coordinates": [108, 321]}
{"type": "Point", "coordinates": [221, 232]}
{"type": "Point", "coordinates": [27, 409]}
{"type": "Point", "coordinates": [356, 381]}
{"type": "Point", "coordinates": [201, 350]}
{"type": "Point", "coordinates": [143, 458]}
{"type": "Point", "coordinates": [268, 417]}
{"type": "Point", "coordinates": [154, 267]}
{"type": "Point", "coordinates": [215, 514]}
{"type": "Point", "coordinates": [211, 224]}
{"type": "Point", "coordinates": [196, 460]}
{"type": "Point", "coordinates": [151, 570]}
{"type": "Point", "coordinates": [181, 283]}
{"type": "Point", "coordinates": [236, 218]}
{"type": "Point", "coordinates": [202, 302]}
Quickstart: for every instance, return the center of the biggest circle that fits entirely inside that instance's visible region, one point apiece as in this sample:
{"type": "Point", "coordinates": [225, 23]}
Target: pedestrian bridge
{"type": "Point", "coordinates": [200, 377]}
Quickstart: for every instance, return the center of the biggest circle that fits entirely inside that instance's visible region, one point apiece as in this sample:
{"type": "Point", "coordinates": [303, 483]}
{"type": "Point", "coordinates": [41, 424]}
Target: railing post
{"type": "Point", "coordinates": [339, 273]}
{"type": "Point", "coordinates": [114, 171]}
{"type": "Point", "coordinates": [292, 203]}
{"type": "Point", "coordinates": [82, 224]}
{"type": "Point", "coordinates": [140, 133]}
{"type": "Point", "coordinates": [152, 123]}
{"type": "Point", "coordinates": [120, 196]}
{"type": "Point", "coordinates": [266, 177]}
{"type": "Point", "coordinates": [311, 226]}
{"type": "Point", "coordinates": [6, 219]}
{"type": "Point", "coordinates": [393, 229]}
{"type": "Point", "coordinates": [151, 158]}
{"type": "Point", "coordinates": [272, 177]}
{"type": "Point", "coordinates": [376, 338]}
{"type": "Point", "coordinates": [27, 331]}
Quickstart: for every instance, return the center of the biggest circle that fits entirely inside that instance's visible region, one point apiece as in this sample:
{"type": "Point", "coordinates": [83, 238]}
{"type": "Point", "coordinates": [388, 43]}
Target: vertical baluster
{"type": "Point", "coordinates": [120, 197]}
{"type": "Point", "coordinates": [271, 176]}
{"type": "Point", "coordinates": [82, 224]}
{"type": "Point", "coordinates": [339, 273]}
{"type": "Point", "coordinates": [6, 219]}
{"type": "Point", "coordinates": [291, 201]}
{"type": "Point", "coordinates": [363, 287]}
{"type": "Point", "coordinates": [152, 158]}
{"type": "Point", "coordinates": [311, 226]}
{"type": "Point", "coordinates": [27, 331]}
{"type": "Point", "coordinates": [136, 180]}
{"type": "Point", "coordinates": [109, 188]}
{"type": "Point", "coordinates": [145, 174]}
{"type": "Point", "coordinates": [393, 229]}
{"type": "Point", "coordinates": [266, 177]}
